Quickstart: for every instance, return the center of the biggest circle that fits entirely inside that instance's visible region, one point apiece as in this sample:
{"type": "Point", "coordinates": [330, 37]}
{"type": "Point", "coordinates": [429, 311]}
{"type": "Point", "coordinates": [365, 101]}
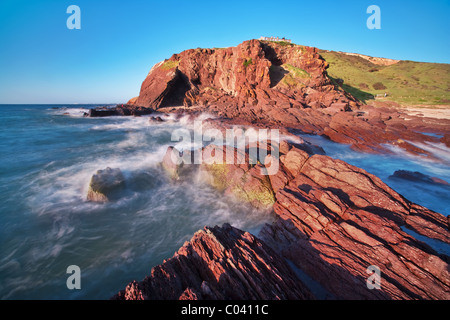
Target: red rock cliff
{"type": "Point", "coordinates": [253, 74]}
{"type": "Point", "coordinates": [282, 85]}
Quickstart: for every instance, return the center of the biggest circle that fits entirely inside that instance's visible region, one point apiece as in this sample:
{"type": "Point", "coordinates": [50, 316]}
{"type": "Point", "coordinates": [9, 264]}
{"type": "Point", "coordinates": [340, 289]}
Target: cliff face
{"type": "Point", "coordinates": [254, 74]}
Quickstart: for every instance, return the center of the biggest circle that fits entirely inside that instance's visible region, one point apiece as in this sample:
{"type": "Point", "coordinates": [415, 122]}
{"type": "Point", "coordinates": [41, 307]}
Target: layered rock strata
{"type": "Point", "coordinates": [220, 263]}
{"type": "Point", "coordinates": [334, 222]}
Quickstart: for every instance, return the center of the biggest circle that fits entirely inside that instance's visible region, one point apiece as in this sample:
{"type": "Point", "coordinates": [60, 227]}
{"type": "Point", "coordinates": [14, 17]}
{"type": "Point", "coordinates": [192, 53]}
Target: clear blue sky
{"type": "Point", "coordinates": [41, 61]}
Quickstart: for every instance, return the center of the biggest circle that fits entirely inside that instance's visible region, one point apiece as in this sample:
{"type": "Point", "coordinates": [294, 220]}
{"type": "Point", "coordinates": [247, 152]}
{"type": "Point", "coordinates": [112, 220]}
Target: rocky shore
{"type": "Point", "coordinates": [334, 223]}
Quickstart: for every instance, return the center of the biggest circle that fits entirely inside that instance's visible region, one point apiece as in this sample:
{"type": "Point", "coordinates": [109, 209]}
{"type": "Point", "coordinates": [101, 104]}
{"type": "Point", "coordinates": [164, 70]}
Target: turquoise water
{"type": "Point", "coordinates": [48, 155]}
{"type": "Point", "coordinates": [47, 159]}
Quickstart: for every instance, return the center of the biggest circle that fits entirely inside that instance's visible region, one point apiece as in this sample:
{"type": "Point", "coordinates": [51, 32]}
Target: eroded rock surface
{"type": "Point", "coordinates": [119, 110]}
{"type": "Point", "coordinates": [416, 176]}
{"type": "Point", "coordinates": [335, 220]}
{"type": "Point", "coordinates": [332, 221]}
{"type": "Point", "coordinates": [220, 263]}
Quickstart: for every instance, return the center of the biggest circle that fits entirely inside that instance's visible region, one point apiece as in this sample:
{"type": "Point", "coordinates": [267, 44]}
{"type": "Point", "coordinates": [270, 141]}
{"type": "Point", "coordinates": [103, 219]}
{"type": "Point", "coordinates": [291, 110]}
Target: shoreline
{"type": "Point", "coordinates": [290, 207]}
{"type": "Point", "coordinates": [417, 219]}
{"type": "Point", "coordinates": [312, 198]}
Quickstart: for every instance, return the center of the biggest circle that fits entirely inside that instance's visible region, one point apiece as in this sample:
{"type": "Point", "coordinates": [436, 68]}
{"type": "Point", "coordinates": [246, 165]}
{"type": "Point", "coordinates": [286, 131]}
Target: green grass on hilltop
{"type": "Point", "coordinates": [406, 82]}
{"type": "Point", "coordinates": [284, 43]}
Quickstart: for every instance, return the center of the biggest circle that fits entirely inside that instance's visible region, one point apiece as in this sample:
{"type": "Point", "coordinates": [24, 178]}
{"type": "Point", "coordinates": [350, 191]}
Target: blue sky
{"type": "Point", "coordinates": [41, 61]}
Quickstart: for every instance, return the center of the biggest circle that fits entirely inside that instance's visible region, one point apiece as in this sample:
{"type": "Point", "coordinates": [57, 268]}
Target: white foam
{"type": "Point", "coordinates": [71, 112]}
{"type": "Point", "coordinates": [123, 123]}
{"type": "Point", "coordinates": [440, 151]}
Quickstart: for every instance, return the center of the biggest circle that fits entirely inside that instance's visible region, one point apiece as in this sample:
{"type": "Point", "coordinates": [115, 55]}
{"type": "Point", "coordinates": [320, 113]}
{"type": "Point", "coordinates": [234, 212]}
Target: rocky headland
{"type": "Point", "coordinates": [279, 85]}
{"type": "Point", "coordinates": [333, 222]}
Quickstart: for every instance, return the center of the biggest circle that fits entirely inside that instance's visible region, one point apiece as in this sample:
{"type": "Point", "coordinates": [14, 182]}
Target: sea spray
{"type": "Point", "coordinates": [47, 160]}
{"type": "Point", "coordinates": [47, 224]}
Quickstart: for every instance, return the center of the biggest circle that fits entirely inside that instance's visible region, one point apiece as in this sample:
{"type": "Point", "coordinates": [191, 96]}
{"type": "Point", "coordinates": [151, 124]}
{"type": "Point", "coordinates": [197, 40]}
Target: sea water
{"type": "Point", "coordinates": [48, 155]}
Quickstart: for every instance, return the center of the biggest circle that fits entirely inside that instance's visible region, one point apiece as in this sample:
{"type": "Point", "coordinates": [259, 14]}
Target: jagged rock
{"type": "Point", "coordinates": [105, 185]}
{"type": "Point", "coordinates": [336, 219]}
{"type": "Point", "coordinates": [220, 263]}
{"type": "Point", "coordinates": [333, 221]}
{"type": "Point", "coordinates": [246, 74]}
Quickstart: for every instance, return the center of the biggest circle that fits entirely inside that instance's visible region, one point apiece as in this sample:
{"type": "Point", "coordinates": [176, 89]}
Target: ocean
{"type": "Point", "coordinates": [48, 154]}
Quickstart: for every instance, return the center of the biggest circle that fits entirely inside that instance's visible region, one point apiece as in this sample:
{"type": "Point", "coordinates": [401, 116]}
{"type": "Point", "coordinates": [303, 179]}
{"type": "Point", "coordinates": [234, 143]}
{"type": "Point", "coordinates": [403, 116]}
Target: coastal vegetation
{"type": "Point", "coordinates": [405, 82]}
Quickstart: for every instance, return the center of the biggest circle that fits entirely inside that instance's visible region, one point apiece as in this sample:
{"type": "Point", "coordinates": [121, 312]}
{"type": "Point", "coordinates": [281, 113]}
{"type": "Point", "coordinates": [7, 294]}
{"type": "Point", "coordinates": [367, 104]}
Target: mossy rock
{"type": "Point", "coordinates": [248, 186]}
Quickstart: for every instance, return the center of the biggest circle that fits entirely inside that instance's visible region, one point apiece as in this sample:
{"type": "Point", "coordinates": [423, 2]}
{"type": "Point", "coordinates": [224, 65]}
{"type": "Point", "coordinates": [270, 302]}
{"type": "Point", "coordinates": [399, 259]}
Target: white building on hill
{"type": "Point", "coordinates": [275, 39]}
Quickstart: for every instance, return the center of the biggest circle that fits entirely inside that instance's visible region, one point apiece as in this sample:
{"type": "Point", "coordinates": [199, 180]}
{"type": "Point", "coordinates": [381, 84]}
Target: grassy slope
{"type": "Point", "coordinates": [406, 82]}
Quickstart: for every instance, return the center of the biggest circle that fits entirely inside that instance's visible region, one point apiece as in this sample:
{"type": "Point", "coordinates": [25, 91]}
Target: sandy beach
{"type": "Point", "coordinates": [438, 112]}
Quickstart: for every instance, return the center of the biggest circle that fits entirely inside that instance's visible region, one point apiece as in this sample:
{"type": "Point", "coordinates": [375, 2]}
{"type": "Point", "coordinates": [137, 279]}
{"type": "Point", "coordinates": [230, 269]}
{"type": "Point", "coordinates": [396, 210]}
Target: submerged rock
{"type": "Point", "coordinates": [105, 185]}
{"type": "Point", "coordinates": [337, 219]}
{"type": "Point", "coordinates": [417, 177]}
